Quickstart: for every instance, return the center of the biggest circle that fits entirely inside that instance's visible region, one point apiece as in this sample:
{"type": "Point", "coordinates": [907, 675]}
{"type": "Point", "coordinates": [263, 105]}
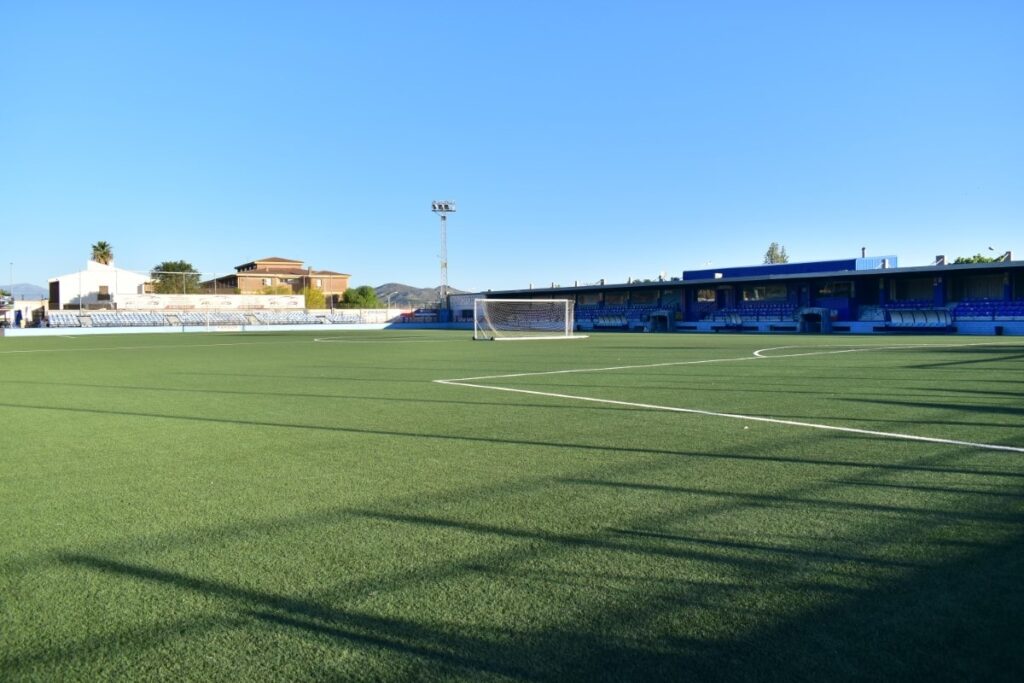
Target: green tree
{"type": "Point", "coordinates": [175, 277]}
{"type": "Point", "coordinates": [776, 254]}
{"type": "Point", "coordinates": [314, 298]}
{"type": "Point", "coordinates": [277, 289]}
{"type": "Point", "coordinates": [103, 253]}
{"type": "Point", "coordinates": [977, 258]}
{"type": "Point", "coordinates": [360, 297]}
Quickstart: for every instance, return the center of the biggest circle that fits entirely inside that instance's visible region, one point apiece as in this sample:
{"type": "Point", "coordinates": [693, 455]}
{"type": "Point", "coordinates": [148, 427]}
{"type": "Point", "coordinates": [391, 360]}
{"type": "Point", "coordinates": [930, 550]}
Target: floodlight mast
{"type": "Point", "coordinates": [443, 208]}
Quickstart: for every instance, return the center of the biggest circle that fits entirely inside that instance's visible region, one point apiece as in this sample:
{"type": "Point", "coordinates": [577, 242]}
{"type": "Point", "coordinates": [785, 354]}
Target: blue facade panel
{"type": "Point", "coordinates": [769, 269]}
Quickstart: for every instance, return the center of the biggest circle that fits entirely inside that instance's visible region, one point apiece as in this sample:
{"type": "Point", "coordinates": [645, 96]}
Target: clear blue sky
{"type": "Point", "coordinates": [580, 140]}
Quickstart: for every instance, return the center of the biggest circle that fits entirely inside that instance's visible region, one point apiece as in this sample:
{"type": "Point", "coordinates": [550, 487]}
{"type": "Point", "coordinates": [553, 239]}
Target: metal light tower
{"type": "Point", "coordinates": [443, 208]}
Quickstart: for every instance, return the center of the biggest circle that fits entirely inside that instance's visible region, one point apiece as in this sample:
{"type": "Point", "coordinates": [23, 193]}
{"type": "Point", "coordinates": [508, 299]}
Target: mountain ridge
{"type": "Point", "coordinates": [25, 290]}
{"type": "Point", "coordinates": [407, 295]}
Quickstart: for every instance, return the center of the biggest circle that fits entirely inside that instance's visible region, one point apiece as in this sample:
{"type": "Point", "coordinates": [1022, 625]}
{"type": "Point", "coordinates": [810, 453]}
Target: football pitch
{"type": "Point", "coordinates": [408, 505]}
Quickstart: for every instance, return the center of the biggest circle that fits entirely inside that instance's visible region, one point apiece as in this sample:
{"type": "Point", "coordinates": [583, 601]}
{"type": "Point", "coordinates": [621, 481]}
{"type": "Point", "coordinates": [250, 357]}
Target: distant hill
{"type": "Point", "coordinates": [23, 290]}
{"type": "Point", "coordinates": [406, 295]}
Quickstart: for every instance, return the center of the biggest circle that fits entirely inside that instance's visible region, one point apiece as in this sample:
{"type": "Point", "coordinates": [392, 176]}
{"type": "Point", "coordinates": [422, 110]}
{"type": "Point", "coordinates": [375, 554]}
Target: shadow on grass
{"type": "Point", "coordinates": [933, 489]}
{"type": "Point", "coordinates": [988, 352]}
{"type": "Point", "coordinates": [432, 401]}
{"type": "Point", "coordinates": [958, 620]}
{"type": "Point", "coordinates": [983, 409]}
{"type": "Point", "coordinates": [603, 448]}
{"type": "Point", "coordinates": [774, 500]}
{"type": "Point", "coordinates": [489, 652]}
{"type": "Point", "coordinates": [396, 635]}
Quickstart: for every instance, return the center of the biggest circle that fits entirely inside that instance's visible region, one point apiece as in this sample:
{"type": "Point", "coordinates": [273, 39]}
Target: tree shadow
{"type": "Point", "coordinates": [938, 405]}
{"type": "Point", "coordinates": [955, 620]}
{"type": "Point", "coordinates": [774, 499]}
{"type": "Point", "coordinates": [603, 448]}
{"type": "Point", "coordinates": [333, 397]}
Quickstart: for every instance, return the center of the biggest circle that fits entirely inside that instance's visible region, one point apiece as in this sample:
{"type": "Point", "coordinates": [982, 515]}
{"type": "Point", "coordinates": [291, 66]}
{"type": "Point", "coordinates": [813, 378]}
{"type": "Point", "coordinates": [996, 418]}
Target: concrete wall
{"type": "Point", "coordinates": [209, 302]}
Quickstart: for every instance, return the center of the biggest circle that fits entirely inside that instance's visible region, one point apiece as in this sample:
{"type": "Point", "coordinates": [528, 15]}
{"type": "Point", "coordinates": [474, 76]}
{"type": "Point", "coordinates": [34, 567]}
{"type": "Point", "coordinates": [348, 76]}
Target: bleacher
{"type": "Point", "coordinates": [596, 316]}
{"type": "Point", "coordinates": [988, 309]}
{"type": "Point", "coordinates": [753, 311]}
{"type": "Point", "coordinates": [287, 318]}
{"type": "Point", "coordinates": [214, 318]}
{"type": "Point", "coordinates": [872, 314]}
{"type": "Point", "coordinates": [63, 319]}
{"type": "Point", "coordinates": [127, 319]}
{"type": "Point", "coordinates": [343, 317]}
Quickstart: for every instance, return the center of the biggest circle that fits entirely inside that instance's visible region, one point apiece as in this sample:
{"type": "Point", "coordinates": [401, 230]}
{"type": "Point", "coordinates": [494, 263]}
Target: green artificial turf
{"type": "Point", "coordinates": [266, 507]}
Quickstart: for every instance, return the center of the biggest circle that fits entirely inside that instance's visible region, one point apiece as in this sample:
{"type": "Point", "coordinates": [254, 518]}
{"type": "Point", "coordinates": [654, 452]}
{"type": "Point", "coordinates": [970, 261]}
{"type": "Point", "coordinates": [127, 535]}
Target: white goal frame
{"type": "Point", "coordinates": [487, 327]}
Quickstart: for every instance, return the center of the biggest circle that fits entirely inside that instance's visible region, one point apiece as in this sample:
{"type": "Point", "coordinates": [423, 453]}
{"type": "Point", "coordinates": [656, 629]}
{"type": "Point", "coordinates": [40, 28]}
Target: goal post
{"type": "Point", "coordinates": [507, 319]}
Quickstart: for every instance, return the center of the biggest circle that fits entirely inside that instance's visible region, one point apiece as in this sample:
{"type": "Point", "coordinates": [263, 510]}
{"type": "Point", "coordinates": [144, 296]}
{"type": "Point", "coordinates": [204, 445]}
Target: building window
{"type": "Point", "coordinates": [267, 282]}
{"type": "Point", "coordinates": [615, 298]}
{"type": "Point", "coordinates": [319, 283]}
{"type": "Point", "coordinates": [913, 289]}
{"type": "Point", "coordinates": [764, 293]}
{"type": "Point", "coordinates": [841, 288]}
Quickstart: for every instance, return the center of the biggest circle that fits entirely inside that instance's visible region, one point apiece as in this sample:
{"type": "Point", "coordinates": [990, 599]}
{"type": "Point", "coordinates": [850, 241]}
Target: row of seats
{"type": "Point", "coordinates": [989, 310]}
{"type": "Point", "coordinates": [343, 318]}
{"type": "Point", "coordinates": [754, 312]}
{"type": "Point", "coordinates": [610, 321]}
{"type": "Point", "coordinates": [286, 318]}
{"type": "Point", "coordinates": [213, 318]}
{"type": "Point", "coordinates": [614, 316]}
{"type": "Point", "coordinates": [911, 304]}
{"type": "Point", "coordinates": [196, 318]}
{"type": "Point", "coordinates": [62, 319]}
{"type": "Point", "coordinates": [873, 314]}
{"type": "Point", "coordinates": [128, 319]}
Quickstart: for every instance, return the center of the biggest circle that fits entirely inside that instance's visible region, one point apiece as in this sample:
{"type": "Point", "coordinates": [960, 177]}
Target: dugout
{"type": "Point", "coordinates": [815, 320]}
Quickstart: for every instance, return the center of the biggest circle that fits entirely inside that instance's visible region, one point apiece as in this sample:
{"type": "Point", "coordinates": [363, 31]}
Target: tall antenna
{"type": "Point", "coordinates": [443, 208]}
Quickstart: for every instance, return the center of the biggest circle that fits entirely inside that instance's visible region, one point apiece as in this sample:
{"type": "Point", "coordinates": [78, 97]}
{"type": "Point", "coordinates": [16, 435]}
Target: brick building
{"type": "Point", "coordinates": [257, 276]}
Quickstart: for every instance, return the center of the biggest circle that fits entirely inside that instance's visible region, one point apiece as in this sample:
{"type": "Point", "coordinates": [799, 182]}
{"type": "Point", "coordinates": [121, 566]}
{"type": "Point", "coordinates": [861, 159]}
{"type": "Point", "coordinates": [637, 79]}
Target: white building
{"type": "Point", "coordinates": [94, 287]}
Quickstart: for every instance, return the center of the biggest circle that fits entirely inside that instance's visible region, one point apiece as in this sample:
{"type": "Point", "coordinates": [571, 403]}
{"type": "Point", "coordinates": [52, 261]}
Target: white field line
{"type": "Point", "coordinates": [467, 382]}
{"type": "Point", "coordinates": [759, 354]}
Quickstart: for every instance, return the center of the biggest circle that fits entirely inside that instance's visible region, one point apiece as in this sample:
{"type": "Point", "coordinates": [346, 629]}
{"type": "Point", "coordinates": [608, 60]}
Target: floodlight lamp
{"type": "Point", "coordinates": [443, 206]}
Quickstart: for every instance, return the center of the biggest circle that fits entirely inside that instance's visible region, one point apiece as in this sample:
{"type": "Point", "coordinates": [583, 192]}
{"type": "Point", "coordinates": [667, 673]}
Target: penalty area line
{"type": "Point", "coordinates": [735, 416]}
{"type": "Point", "coordinates": [760, 354]}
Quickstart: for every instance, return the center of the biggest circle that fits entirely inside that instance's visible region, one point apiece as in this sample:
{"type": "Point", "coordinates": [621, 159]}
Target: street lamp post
{"type": "Point", "coordinates": [443, 208]}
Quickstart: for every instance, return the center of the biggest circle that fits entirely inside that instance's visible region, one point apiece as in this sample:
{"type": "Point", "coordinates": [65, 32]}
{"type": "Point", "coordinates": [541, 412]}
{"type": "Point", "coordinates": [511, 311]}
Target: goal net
{"type": "Point", "coordinates": [501, 319]}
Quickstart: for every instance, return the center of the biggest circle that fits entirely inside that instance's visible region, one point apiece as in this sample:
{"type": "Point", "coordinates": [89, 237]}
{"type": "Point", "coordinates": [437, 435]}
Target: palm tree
{"type": "Point", "coordinates": [103, 253]}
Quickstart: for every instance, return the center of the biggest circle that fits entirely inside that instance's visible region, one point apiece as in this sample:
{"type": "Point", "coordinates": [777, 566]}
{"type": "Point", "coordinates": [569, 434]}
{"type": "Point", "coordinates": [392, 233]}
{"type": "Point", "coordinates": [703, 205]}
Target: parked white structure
{"type": "Point", "coordinates": [95, 286]}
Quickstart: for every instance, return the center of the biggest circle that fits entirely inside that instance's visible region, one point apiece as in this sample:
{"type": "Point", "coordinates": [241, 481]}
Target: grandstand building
{"type": "Point", "coordinates": [859, 295]}
{"type": "Point", "coordinates": [256, 276]}
{"type": "Point", "coordinates": [95, 287]}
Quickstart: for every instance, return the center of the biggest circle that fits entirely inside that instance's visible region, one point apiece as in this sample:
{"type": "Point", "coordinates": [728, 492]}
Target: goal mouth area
{"type": "Point", "coordinates": [545, 338]}
{"type": "Point", "coordinates": [523, 319]}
